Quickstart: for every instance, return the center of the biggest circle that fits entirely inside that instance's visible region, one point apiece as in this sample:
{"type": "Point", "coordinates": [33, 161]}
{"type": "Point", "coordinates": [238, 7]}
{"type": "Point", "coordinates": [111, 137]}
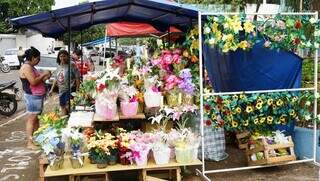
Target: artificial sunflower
{"type": "Point", "coordinates": [249, 109]}
{"type": "Point", "coordinates": [274, 107]}
{"type": "Point", "coordinates": [294, 99]}
{"type": "Point", "coordinates": [292, 112]}
{"type": "Point", "coordinates": [213, 116]}
{"type": "Point", "coordinates": [246, 123]}
{"type": "Point", "coordinates": [269, 119]}
{"type": "Point", "coordinates": [248, 27]}
{"type": "Point", "coordinates": [283, 119]}
{"type": "Point", "coordinates": [279, 102]}
{"type": "Point", "coordinates": [234, 124]}
{"type": "Point", "coordinates": [262, 120]}
{"type": "Point", "coordinates": [259, 101]}
{"type": "Point", "coordinates": [234, 97]}
{"type": "Point", "coordinates": [259, 106]}
{"type": "Point", "coordinates": [256, 121]}
{"type": "Point", "coordinates": [242, 96]}
{"type": "Point", "coordinates": [270, 102]}
{"type": "Point", "coordinates": [238, 110]}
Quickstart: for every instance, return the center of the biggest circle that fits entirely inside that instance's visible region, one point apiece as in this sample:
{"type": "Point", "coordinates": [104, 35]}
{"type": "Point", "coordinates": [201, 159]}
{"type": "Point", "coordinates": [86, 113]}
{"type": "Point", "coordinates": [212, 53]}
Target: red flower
{"type": "Point", "coordinates": [221, 123]}
{"type": "Point", "coordinates": [100, 87]}
{"type": "Point", "coordinates": [219, 100]}
{"type": "Point", "coordinates": [208, 122]}
{"type": "Point", "coordinates": [207, 107]}
{"type": "Point", "coordinates": [228, 112]}
{"type": "Point", "coordinates": [296, 41]}
{"type": "Point", "coordinates": [298, 24]}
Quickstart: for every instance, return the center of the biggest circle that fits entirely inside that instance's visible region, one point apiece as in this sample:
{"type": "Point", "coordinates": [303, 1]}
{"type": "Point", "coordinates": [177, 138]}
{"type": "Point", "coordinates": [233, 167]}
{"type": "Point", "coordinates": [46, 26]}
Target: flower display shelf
{"type": "Point", "coordinates": [91, 169]}
{"type": "Point", "coordinates": [139, 116]}
{"type": "Point", "coordinates": [268, 159]}
{"type": "Point", "coordinates": [241, 139]}
{"type": "Point", "coordinates": [98, 118]}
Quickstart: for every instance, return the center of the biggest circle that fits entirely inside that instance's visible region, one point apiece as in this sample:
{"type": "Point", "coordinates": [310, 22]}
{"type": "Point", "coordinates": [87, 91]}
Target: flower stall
{"type": "Point", "coordinates": [260, 107]}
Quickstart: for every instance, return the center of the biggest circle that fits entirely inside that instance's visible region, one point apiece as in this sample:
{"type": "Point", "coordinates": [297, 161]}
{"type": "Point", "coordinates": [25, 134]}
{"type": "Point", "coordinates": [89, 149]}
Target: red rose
{"type": "Point", "coordinates": [207, 107]}
{"type": "Point", "coordinates": [100, 87]}
{"type": "Point", "coordinates": [296, 41]}
{"type": "Point", "coordinates": [219, 100]}
{"type": "Point", "coordinates": [208, 122]}
{"type": "Point", "coordinates": [298, 24]}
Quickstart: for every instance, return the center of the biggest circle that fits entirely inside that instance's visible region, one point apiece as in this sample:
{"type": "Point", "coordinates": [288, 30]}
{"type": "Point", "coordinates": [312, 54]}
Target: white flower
{"type": "Point", "coordinates": [308, 103]}
{"type": "Point", "coordinates": [316, 45]}
{"type": "Point", "coordinates": [309, 44]}
{"type": "Point", "coordinates": [317, 33]}
{"type": "Point", "coordinates": [317, 95]}
{"type": "Point", "coordinates": [312, 20]}
{"type": "Point", "coordinates": [212, 41]}
{"type": "Point", "coordinates": [207, 30]}
{"type": "Point", "coordinates": [215, 19]}
{"type": "Point", "coordinates": [156, 119]}
{"type": "Point", "coordinates": [318, 116]}
{"type": "Point", "coordinates": [307, 117]}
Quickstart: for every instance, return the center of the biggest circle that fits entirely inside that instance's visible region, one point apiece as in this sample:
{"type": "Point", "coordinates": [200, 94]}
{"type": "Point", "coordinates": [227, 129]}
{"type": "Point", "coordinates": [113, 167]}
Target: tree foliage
{"type": "Point", "coordinates": [14, 8]}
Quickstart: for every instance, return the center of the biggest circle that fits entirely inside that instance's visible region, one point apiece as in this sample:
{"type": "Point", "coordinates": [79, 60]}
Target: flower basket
{"type": "Point", "coordinates": [113, 159]}
{"type": "Point", "coordinates": [57, 164]}
{"type": "Point", "coordinates": [129, 108]}
{"type": "Point", "coordinates": [107, 111]}
{"type": "Point", "coordinates": [173, 99]}
{"type": "Point", "coordinates": [103, 163]}
{"type": "Point", "coordinates": [77, 162]}
{"type": "Point", "coordinates": [152, 99]}
{"type": "Point", "coordinates": [161, 156]}
{"type": "Point", "coordinates": [184, 155]}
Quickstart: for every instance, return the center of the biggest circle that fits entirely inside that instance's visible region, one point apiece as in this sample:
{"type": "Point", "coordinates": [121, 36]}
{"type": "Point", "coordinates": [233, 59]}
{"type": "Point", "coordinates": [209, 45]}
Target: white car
{"type": "Point", "coordinates": [11, 57]}
{"type": "Point", "coordinates": [48, 62]}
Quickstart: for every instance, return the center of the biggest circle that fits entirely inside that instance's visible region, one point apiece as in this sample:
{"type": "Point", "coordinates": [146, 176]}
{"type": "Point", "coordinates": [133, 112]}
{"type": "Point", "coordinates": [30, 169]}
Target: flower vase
{"type": "Point", "coordinates": [107, 111]}
{"type": "Point", "coordinates": [57, 164]}
{"type": "Point", "coordinates": [187, 99]}
{"type": "Point", "coordinates": [77, 162]}
{"type": "Point", "coordinates": [184, 155]}
{"type": "Point", "coordinates": [129, 108]}
{"type": "Point", "coordinates": [173, 99]}
{"type": "Point", "coordinates": [113, 159]}
{"type": "Point", "coordinates": [143, 159]}
{"type": "Point", "coordinates": [161, 156]}
{"type": "Point", "coordinates": [152, 99]}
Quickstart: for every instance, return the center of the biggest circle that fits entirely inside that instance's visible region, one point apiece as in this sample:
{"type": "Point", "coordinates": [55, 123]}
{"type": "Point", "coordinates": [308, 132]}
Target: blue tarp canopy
{"type": "Point", "coordinates": [96, 42]}
{"type": "Point", "coordinates": [160, 13]}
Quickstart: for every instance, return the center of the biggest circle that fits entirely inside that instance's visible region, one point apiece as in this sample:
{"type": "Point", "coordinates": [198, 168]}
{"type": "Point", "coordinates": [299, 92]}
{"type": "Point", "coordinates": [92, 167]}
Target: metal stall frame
{"type": "Point", "coordinates": [202, 173]}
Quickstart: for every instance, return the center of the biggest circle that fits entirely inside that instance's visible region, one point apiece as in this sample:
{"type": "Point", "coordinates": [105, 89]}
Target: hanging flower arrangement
{"type": "Point", "coordinates": [279, 32]}
{"type": "Point", "coordinates": [256, 112]}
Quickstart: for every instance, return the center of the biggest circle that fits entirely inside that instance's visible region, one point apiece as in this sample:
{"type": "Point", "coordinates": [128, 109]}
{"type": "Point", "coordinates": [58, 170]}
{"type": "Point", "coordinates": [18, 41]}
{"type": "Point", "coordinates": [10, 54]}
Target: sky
{"type": "Point", "coordinates": [65, 3]}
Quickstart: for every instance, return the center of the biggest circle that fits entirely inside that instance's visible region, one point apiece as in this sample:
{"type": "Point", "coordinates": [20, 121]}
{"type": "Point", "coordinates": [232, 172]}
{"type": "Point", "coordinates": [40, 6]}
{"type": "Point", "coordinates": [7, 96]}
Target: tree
{"type": "Point", "coordinates": [15, 8]}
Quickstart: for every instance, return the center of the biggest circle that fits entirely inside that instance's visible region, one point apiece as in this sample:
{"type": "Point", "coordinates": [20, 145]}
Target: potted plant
{"type": "Point", "coordinates": [76, 141]}
{"type": "Point", "coordinates": [160, 149]}
{"type": "Point", "coordinates": [129, 102]}
{"type": "Point", "coordinates": [125, 154]}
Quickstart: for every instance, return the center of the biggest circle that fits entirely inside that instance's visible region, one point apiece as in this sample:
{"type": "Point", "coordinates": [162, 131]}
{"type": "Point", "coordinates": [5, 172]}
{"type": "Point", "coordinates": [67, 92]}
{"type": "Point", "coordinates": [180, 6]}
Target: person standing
{"type": "Point", "coordinates": [62, 80]}
{"type": "Point", "coordinates": [34, 91]}
{"type": "Point", "coordinates": [20, 55]}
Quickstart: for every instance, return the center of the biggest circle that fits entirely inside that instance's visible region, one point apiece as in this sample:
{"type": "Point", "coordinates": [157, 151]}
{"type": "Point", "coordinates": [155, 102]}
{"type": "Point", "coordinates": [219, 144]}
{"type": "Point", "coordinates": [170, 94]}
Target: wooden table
{"type": "Point", "coordinates": [91, 169]}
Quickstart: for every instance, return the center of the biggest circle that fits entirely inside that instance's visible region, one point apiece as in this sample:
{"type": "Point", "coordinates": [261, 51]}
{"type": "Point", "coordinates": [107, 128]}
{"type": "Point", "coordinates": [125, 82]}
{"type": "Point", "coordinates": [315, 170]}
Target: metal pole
{"type": "Point", "coordinates": [110, 51]}
{"type": "Point", "coordinates": [81, 76]}
{"type": "Point", "coordinates": [315, 101]}
{"type": "Point", "coordinates": [116, 39]}
{"type": "Point", "coordinates": [104, 50]}
{"type": "Point", "coordinates": [70, 59]}
{"type": "Point", "coordinates": [201, 89]}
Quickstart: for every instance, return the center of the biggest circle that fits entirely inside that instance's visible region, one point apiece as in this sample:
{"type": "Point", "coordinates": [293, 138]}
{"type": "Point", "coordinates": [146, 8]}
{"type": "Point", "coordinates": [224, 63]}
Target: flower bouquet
{"type": "Point", "coordinates": [186, 86]}
{"type": "Point", "coordinates": [173, 96]}
{"type": "Point", "coordinates": [76, 142]}
{"type": "Point", "coordinates": [152, 96]}
{"type": "Point", "coordinates": [141, 146]}
{"type": "Point", "coordinates": [100, 147]}
{"type": "Point", "coordinates": [129, 102]}
{"type": "Point", "coordinates": [160, 149]}
{"type": "Point", "coordinates": [106, 94]}
{"type": "Point", "coordinates": [125, 154]}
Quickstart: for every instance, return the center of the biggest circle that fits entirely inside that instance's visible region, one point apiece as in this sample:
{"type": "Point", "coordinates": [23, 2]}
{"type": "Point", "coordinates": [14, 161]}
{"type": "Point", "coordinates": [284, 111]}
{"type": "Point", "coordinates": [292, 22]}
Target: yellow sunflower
{"type": "Point", "coordinates": [238, 110]}
{"type": "Point", "coordinates": [246, 123]}
{"type": "Point", "coordinates": [234, 124]}
{"type": "Point", "coordinates": [294, 99]}
{"type": "Point", "coordinates": [277, 121]}
{"type": "Point", "coordinates": [259, 106]}
{"type": "Point", "coordinates": [262, 120]}
{"type": "Point", "coordinates": [292, 112]}
{"type": "Point", "coordinates": [242, 96]}
{"type": "Point", "coordinates": [213, 116]}
{"type": "Point", "coordinates": [234, 97]}
{"type": "Point", "coordinates": [270, 102]}
{"type": "Point", "coordinates": [274, 106]}
{"type": "Point", "coordinates": [256, 121]}
{"type": "Point", "coordinates": [259, 101]}
{"type": "Point", "coordinates": [283, 119]}
{"type": "Point", "coordinates": [249, 109]}
{"type": "Point", "coordinates": [279, 102]}
{"type": "Point", "coordinates": [269, 119]}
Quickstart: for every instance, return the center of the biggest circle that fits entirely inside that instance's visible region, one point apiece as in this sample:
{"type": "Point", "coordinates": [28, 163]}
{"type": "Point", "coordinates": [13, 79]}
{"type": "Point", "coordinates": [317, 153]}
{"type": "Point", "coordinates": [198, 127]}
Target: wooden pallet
{"type": "Point", "coordinates": [264, 147]}
{"type": "Point", "coordinates": [239, 137]}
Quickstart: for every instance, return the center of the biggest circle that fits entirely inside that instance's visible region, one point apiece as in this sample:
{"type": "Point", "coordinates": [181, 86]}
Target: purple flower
{"type": "Point", "coordinates": [185, 74]}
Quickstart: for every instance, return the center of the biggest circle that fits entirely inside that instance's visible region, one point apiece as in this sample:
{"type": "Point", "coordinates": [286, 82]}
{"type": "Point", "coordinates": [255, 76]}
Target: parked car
{"type": "Point", "coordinates": [11, 57]}
{"type": "Point", "coordinates": [48, 62]}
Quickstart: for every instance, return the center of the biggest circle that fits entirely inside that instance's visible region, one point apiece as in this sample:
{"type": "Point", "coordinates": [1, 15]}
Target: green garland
{"type": "Point", "coordinates": [257, 112]}
{"type": "Point", "coordinates": [287, 33]}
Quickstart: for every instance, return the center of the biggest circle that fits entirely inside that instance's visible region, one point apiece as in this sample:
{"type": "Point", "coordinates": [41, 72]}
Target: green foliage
{"type": "Point", "coordinates": [16, 8]}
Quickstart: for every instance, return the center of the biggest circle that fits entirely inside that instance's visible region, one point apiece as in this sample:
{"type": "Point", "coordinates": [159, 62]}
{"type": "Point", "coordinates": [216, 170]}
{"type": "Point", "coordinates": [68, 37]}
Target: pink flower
{"type": "Point", "coordinates": [176, 58]}
{"type": "Point", "coordinates": [167, 59]}
{"type": "Point", "coordinates": [177, 51]}
{"type": "Point", "coordinates": [166, 52]}
{"type": "Point", "coordinates": [155, 89]}
{"type": "Point", "coordinates": [133, 99]}
{"type": "Point", "coordinates": [281, 24]}
{"type": "Point", "coordinates": [176, 115]}
{"type": "Point", "coordinates": [156, 61]}
{"type": "Point", "coordinates": [169, 86]}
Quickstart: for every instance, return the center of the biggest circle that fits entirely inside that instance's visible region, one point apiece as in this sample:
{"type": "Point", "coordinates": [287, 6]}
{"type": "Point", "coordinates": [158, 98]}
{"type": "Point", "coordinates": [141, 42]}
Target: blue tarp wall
{"type": "Point", "coordinates": [257, 69]}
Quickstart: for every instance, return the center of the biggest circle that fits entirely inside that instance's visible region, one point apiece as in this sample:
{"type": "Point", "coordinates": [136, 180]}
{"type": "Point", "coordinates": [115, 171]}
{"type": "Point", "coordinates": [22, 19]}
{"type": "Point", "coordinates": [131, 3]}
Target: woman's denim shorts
{"type": "Point", "coordinates": [34, 104]}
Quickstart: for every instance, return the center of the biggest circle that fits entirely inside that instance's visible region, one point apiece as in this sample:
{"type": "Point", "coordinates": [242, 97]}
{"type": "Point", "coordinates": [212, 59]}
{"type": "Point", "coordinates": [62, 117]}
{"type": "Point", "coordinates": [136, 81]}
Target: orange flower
{"type": "Point", "coordinates": [140, 97]}
{"type": "Point", "coordinates": [194, 59]}
{"type": "Point", "coordinates": [138, 82]}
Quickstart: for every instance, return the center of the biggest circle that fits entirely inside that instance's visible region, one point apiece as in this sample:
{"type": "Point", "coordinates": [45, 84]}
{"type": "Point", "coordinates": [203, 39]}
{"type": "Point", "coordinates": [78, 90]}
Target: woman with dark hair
{"type": "Point", "coordinates": [62, 80]}
{"type": "Point", "coordinates": [34, 91]}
